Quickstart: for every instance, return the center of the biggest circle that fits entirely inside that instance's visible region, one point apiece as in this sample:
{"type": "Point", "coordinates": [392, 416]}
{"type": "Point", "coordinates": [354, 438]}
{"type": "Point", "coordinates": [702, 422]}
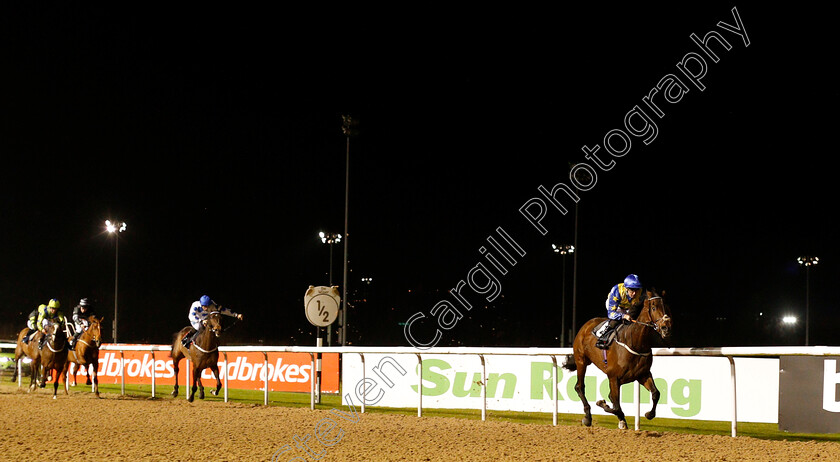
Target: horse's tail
{"type": "Point", "coordinates": [176, 343]}
{"type": "Point", "coordinates": [569, 363]}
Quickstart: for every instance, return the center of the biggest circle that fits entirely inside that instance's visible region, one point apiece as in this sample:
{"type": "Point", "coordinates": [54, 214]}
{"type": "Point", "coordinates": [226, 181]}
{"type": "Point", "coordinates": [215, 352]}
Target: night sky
{"type": "Point", "coordinates": [216, 136]}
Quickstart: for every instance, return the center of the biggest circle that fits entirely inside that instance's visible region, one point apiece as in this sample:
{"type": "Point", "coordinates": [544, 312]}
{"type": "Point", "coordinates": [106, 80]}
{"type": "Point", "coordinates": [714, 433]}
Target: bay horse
{"type": "Point", "coordinates": [203, 353]}
{"type": "Point", "coordinates": [628, 358]}
{"type": "Point", "coordinates": [85, 354]}
{"type": "Point", "coordinates": [30, 350]}
{"type": "Point", "coordinates": [52, 357]}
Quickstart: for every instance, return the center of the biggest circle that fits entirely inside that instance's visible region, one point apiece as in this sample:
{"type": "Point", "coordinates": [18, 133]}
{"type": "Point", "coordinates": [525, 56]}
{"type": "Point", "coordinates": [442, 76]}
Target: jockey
{"type": "Point", "coordinates": [199, 310]}
{"type": "Point", "coordinates": [81, 313]}
{"type": "Point", "coordinates": [624, 298]}
{"type": "Point", "coordinates": [31, 323]}
{"type": "Point", "coordinates": [50, 314]}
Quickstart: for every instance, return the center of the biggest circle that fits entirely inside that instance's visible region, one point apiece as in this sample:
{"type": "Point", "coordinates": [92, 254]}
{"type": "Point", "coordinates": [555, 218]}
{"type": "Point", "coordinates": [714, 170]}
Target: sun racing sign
{"type": "Point", "coordinates": [690, 388]}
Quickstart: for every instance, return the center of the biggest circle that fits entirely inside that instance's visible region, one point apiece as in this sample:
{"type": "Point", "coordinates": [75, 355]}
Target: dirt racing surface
{"type": "Point", "coordinates": [116, 428]}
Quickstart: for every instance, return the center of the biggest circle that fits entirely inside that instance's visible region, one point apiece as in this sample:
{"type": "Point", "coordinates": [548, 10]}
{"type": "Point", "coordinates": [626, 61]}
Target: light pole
{"type": "Point", "coordinates": [348, 128]}
{"type": "Point", "coordinates": [807, 262]}
{"type": "Point", "coordinates": [589, 180]}
{"type": "Point", "coordinates": [563, 251]}
{"type": "Point", "coordinates": [330, 238]}
{"type": "Point", "coordinates": [115, 229]}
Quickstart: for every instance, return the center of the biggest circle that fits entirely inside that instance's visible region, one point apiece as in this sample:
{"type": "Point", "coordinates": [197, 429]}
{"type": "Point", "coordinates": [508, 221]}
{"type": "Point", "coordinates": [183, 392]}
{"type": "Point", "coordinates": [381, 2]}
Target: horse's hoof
{"type": "Point", "coordinates": [622, 425]}
{"type": "Point", "coordinates": [214, 392]}
{"type": "Point", "coordinates": [190, 399]}
{"type": "Point", "coordinates": [55, 397]}
{"type": "Point", "coordinates": [600, 403]}
{"type": "Point", "coordinates": [650, 415]}
{"type": "Point", "coordinates": [174, 394]}
{"type": "Point", "coordinates": [586, 421]}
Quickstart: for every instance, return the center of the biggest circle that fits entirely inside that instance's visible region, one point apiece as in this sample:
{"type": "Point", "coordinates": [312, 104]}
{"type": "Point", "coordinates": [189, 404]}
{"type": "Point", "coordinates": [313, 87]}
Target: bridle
{"type": "Point", "coordinates": [213, 330]}
{"type": "Point", "coordinates": [652, 325]}
{"type": "Point", "coordinates": [48, 341]}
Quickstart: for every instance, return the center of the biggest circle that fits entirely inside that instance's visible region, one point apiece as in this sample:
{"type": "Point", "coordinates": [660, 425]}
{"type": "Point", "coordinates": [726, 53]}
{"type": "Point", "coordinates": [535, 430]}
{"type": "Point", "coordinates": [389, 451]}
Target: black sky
{"type": "Point", "coordinates": [216, 136]}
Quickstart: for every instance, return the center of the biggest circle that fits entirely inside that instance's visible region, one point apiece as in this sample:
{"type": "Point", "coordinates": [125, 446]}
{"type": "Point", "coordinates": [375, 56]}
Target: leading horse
{"type": "Point", "coordinates": [84, 354]}
{"type": "Point", "coordinates": [52, 357]}
{"type": "Point", "coordinates": [203, 353]}
{"type": "Point", "coordinates": [626, 360]}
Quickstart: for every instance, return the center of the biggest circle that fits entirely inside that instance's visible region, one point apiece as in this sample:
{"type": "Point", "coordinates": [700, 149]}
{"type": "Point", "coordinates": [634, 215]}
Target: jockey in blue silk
{"type": "Point", "coordinates": [623, 298]}
{"type": "Point", "coordinates": [199, 310]}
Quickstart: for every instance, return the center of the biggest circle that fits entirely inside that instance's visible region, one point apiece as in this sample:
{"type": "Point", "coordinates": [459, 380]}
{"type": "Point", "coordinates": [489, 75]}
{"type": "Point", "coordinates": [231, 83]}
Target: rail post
{"type": "Point", "coordinates": [554, 392]}
{"type": "Point", "coordinates": [419, 385]}
{"type": "Point", "coordinates": [364, 384]}
{"type": "Point", "coordinates": [312, 381]}
{"type": "Point", "coordinates": [734, 397]}
{"type": "Point", "coordinates": [153, 372]}
{"type": "Point", "coordinates": [637, 398]}
{"type": "Point", "coordinates": [483, 389]}
{"type": "Point", "coordinates": [265, 370]}
{"type": "Point", "coordinates": [226, 375]}
{"type": "Point", "coordinates": [122, 372]}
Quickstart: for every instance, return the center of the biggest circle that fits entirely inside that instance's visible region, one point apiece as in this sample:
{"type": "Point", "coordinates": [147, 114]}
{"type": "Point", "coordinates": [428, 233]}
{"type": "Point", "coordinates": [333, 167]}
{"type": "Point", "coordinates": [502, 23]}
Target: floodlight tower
{"type": "Point", "coordinates": [807, 262]}
{"type": "Point", "coordinates": [115, 229]}
{"type": "Point", "coordinates": [563, 250]}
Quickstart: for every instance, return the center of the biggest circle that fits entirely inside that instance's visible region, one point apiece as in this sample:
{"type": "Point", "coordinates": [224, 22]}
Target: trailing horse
{"type": "Point", "coordinates": [628, 359]}
{"type": "Point", "coordinates": [29, 349]}
{"type": "Point", "coordinates": [85, 354]}
{"type": "Point", "coordinates": [203, 353]}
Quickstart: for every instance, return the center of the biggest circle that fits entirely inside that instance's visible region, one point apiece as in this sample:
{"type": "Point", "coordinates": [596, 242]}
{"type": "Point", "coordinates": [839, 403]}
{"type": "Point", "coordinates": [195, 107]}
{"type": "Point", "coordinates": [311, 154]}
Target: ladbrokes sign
{"type": "Point", "coordinates": [245, 370]}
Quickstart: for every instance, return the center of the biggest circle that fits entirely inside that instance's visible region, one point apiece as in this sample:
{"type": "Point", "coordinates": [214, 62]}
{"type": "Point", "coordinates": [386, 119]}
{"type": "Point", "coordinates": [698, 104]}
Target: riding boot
{"type": "Point", "coordinates": [602, 341]}
{"type": "Point", "coordinates": [186, 340]}
{"type": "Point", "coordinates": [41, 342]}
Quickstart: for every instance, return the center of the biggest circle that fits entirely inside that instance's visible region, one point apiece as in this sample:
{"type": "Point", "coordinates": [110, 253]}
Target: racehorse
{"type": "Point", "coordinates": [628, 359]}
{"type": "Point", "coordinates": [203, 353]}
{"type": "Point", "coordinates": [53, 354]}
{"type": "Point", "coordinates": [30, 349]}
{"type": "Point", "coordinates": [85, 353]}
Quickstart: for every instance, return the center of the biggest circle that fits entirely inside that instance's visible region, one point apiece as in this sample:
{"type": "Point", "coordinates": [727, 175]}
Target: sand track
{"type": "Point", "coordinates": [116, 428]}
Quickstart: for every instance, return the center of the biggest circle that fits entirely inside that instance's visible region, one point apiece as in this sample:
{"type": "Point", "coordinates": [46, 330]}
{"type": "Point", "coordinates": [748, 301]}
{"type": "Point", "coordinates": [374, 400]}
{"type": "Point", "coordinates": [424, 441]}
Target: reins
{"type": "Point", "coordinates": [653, 326]}
{"type": "Point", "coordinates": [54, 350]}
{"type": "Point", "coordinates": [195, 342]}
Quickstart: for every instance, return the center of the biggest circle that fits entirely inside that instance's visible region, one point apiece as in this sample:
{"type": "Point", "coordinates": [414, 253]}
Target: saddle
{"type": "Point", "coordinates": [601, 327]}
